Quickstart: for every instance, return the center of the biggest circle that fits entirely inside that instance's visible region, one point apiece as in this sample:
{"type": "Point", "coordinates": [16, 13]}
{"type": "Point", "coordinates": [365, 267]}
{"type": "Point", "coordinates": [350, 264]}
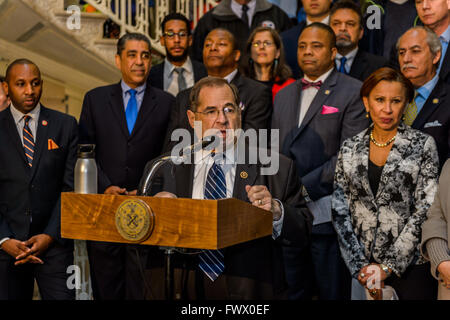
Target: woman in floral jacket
{"type": "Point", "coordinates": [385, 181]}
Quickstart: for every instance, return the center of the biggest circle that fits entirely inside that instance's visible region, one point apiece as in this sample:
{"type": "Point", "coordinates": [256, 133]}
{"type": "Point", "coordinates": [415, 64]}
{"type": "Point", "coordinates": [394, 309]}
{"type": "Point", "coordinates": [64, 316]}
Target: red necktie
{"type": "Point", "coordinates": [306, 84]}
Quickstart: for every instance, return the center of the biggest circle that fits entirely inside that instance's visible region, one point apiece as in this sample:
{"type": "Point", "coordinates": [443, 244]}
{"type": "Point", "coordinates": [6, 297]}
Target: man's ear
{"type": "Point", "coordinates": [118, 62]}
{"type": "Point", "coordinates": [5, 87]}
{"type": "Point", "coordinates": [161, 41]}
{"type": "Point", "coordinates": [191, 118]}
{"type": "Point", "coordinates": [190, 40]}
{"type": "Point", "coordinates": [237, 55]}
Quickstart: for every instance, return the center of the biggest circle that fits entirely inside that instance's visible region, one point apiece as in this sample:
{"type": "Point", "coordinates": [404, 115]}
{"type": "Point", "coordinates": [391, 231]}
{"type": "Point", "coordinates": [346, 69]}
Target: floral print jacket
{"type": "Point", "coordinates": [386, 226]}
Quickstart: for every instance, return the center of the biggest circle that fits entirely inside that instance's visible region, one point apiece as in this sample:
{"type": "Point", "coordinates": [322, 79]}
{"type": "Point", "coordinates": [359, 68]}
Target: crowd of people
{"type": "Point", "coordinates": [359, 200]}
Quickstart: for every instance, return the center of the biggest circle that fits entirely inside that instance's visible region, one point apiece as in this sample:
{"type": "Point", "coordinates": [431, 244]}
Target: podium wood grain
{"type": "Point", "coordinates": [184, 223]}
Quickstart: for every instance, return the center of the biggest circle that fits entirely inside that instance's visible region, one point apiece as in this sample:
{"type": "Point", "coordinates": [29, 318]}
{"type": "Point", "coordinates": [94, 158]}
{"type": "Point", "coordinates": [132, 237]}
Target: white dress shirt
{"type": "Point", "coordinates": [171, 77]}
{"type": "Point", "coordinates": [324, 21]}
{"type": "Point", "coordinates": [20, 122]}
{"type": "Point", "coordinates": [309, 94]}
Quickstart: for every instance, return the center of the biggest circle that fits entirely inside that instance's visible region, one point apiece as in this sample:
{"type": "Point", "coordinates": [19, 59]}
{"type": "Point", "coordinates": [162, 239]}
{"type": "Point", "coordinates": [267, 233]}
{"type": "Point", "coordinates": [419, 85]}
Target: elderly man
{"type": "Point", "coordinates": [251, 270]}
{"type": "Point", "coordinates": [436, 16]}
{"type": "Point", "coordinates": [221, 57]}
{"type": "Point", "coordinates": [419, 53]}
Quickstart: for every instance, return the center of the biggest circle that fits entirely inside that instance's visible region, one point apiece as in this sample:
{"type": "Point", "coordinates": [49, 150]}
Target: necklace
{"type": "Point", "coordinates": [381, 145]}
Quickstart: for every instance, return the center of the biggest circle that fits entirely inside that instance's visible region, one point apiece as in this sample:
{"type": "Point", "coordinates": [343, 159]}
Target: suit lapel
{"type": "Point", "coordinates": [362, 150]}
{"type": "Point", "coordinates": [118, 109]}
{"type": "Point", "coordinates": [445, 68]}
{"type": "Point", "coordinates": [246, 174]}
{"type": "Point", "coordinates": [184, 177]}
{"type": "Point", "coordinates": [147, 106]}
{"type": "Point", "coordinates": [358, 65]}
{"type": "Point", "coordinates": [11, 128]}
{"type": "Point", "coordinates": [41, 141]}
{"type": "Point", "coordinates": [316, 105]}
{"type": "Point", "coordinates": [435, 99]}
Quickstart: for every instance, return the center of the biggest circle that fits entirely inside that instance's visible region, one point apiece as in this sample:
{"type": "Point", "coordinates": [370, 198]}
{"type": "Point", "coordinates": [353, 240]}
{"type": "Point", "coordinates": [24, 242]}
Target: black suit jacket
{"type": "Point", "coordinates": [434, 119]}
{"type": "Point", "coordinates": [444, 74]}
{"type": "Point", "coordinates": [290, 40]}
{"type": "Point", "coordinates": [156, 76]}
{"type": "Point", "coordinates": [260, 259]}
{"type": "Point", "coordinates": [121, 157]}
{"type": "Point", "coordinates": [34, 192]}
{"type": "Point", "coordinates": [365, 63]}
{"type": "Point", "coordinates": [256, 97]}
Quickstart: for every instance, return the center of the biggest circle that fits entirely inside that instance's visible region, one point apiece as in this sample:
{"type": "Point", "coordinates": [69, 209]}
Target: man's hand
{"type": "Point", "coordinates": [115, 190]}
{"type": "Point", "coordinates": [444, 273]}
{"type": "Point", "coordinates": [39, 243]}
{"type": "Point", "coordinates": [260, 197]}
{"type": "Point", "coordinates": [165, 194]}
{"type": "Point", "coordinates": [19, 251]}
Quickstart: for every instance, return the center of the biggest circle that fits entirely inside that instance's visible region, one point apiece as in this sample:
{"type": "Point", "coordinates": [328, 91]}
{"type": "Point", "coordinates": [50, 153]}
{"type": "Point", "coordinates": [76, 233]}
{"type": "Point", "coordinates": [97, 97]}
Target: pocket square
{"type": "Point", "coordinates": [328, 109]}
{"type": "Point", "coordinates": [435, 123]}
{"type": "Point", "coordinates": [52, 145]}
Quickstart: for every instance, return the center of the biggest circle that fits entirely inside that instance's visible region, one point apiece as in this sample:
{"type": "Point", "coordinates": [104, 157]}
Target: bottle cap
{"type": "Point", "coordinates": [86, 151]}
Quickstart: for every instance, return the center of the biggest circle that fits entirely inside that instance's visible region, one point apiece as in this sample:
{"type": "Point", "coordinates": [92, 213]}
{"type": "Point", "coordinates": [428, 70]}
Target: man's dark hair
{"type": "Point", "coordinates": [131, 36]}
{"type": "Point", "coordinates": [211, 82]}
{"type": "Point", "coordinates": [327, 28]}
{"type": "Point", "coordinates": [176, 16]}
{"type": "Point", "coordinates": [350, 5]}
{"type": "Point", "coordinates": [19, 62]}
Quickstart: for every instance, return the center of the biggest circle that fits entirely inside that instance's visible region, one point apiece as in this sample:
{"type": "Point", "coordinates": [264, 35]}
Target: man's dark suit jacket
{"type": "Point", "coordinates": [121, 157]}
{"type": "Point", "coordinates": [156, 76]}
{"type": "Point", "coordinates": [290, 41]}
{"type": "Point", "coordinates": [444, 74]}
{"type": "Point", "coordinates": [314, 146]}
{"type": "Point", "coordinates": [259, 259]}
{"type": "Point", "coordinates": [34, 192]}
{"type": "Point", "coordinates": [256, 97]}
{"type": "Point", "coordinates": [365, 63]}
{"type": "Point", "coordinates": [434, 119]}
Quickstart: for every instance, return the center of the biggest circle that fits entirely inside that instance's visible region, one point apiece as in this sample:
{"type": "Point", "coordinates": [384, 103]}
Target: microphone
{"type": "Point", "coordinates": [205, 142]}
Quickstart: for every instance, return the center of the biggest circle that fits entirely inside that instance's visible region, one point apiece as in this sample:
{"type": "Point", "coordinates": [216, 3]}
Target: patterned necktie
{"type": "Point", "coordinates": [306, 84]}
{"type": "Point", "coordinates": [244, 15]}
{"type": "Point", "coordinates": [342, 66]}
{"type": "Point", "coordinates": [28, 141]}
{"type": "Point", "coordinates": [411, 111]}
{"type": "Point", "coordinates": [212, 261]}
{"type": "Point", "coordinates": [131, 111]}
{"type": "Point", "coordinates": [181, 79]}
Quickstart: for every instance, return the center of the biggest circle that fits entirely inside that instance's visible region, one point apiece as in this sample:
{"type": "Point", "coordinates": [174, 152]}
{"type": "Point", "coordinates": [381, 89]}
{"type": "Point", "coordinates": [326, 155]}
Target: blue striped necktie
{"type": "Point", "coordinates": [212, 261]}
{"type": "Point", "coordinates": [28, 140]}
{"type": "Point", "coordinates": [131, 111]}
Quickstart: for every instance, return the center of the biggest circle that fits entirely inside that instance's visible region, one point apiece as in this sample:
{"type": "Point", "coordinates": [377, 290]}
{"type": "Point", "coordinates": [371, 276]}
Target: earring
{"type": "Point", "coordinates": [367, 115]}
{"type": "Point", "coordinates": [275, 64]}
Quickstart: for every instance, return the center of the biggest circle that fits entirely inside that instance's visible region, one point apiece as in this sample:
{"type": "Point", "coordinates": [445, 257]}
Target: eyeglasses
{"type": "Point", "coordinates": [171, 34]}
{"type": "Point", "coordinates": [266, 43]}
{"type": "Point", "coordinates": [212, 114]}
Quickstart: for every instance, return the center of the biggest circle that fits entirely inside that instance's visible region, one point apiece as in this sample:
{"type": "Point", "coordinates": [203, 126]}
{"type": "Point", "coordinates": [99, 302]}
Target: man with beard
{"type": "Point", "coordinates": [346, 22]}
{"type": "Point", "coordinates": [177, 72]}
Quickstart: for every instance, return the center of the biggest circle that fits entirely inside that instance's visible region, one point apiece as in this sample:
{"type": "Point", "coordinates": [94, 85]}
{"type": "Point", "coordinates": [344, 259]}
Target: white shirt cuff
{"type": "Point", "coordinates": [277, 225]}
{"type": "Point", "coordinates": [1, 242]}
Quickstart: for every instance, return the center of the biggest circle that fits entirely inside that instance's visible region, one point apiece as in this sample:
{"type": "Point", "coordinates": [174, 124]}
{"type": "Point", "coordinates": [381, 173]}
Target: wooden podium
{"type": "Point", "coordinates": [183, 223]}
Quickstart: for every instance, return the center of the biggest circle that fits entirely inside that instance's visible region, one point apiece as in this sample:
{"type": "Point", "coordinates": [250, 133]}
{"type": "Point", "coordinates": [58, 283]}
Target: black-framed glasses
{"type": "Point", "coordinates": [265, 43]}
{"type": "Point", "coordinates": [229, 112]}
{"type": "Point", "coordinates": [171, 34]}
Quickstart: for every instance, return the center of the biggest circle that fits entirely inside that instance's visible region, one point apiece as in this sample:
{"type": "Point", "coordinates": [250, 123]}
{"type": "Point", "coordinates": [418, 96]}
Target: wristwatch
{"type": "Point", "coordinates": [386, 269]}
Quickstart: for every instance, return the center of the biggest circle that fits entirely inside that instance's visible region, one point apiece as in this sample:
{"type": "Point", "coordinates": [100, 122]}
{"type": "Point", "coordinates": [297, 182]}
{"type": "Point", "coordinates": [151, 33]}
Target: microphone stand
{"type": "Point", "coordinates": [168, 251]}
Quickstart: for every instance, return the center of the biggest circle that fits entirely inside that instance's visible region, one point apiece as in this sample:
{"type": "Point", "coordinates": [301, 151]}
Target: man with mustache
{"type": "Point", "coordinates": [38, 148]}
{"type": "Point", "coordinates": [346, 22]}
{"type": "Point", "coordinates": [125, 121]}
{"type": "Point", "coordinates": [314, 116]}
{"type": "Point", "coordinates": [436, 16]}
{"type": "Point", "coordinates": [419, 52]}
{"type": "Point", "coordinates": [177, 72]}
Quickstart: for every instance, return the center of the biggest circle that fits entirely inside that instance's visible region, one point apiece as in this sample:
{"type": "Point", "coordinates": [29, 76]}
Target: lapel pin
{"type": "Point", "coordinates": [244, 175]}
{"type": "Point", "coordinates": [44, 122]}
{"type": "Point", "coordinates": [327, 92]}
{"type": "Point", "coordinates": [435, 100]}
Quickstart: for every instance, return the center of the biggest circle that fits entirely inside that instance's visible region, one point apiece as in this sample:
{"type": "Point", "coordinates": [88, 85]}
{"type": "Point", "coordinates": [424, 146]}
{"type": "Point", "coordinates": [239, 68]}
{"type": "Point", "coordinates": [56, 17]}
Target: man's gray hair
{"type": "Point", "coordinates": [432, 40]}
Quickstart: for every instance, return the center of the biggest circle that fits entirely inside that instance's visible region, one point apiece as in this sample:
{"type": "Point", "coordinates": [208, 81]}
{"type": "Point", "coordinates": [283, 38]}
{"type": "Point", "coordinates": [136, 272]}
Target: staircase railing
{"type": "Point", "coordinates": [145, 16]}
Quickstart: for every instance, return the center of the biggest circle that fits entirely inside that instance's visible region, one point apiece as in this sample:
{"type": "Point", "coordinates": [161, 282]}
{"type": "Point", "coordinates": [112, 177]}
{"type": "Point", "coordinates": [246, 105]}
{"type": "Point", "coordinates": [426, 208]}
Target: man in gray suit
{"type": "Point", "coordinates": [314, 116]}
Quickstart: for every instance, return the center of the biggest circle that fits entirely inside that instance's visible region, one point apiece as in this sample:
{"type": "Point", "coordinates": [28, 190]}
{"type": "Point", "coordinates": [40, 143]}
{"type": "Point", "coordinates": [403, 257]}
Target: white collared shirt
{"type": "Point", "coordinates": [229, 77]}
{"type": "Point", "coordinates": [350, 58]}
{"type": "Point", "coordinates": [325, 21]}
{"type": "Point", "coordinates": [309, 94]}
{"type": "Point", "coordinates": [20, 122]}
{"type": "Point", "coordinates": [237, 9]}
{"type": "Point", "coordinates": [171, 77]}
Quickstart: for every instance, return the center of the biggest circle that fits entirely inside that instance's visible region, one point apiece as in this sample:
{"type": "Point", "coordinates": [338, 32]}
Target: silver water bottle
{"type": "Point", "coordinates": [86, 170]}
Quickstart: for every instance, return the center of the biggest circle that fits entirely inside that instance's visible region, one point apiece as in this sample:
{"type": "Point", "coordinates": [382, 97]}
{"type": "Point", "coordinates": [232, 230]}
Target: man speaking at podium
{"type": "Point", "coordinates": [251, 270]}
